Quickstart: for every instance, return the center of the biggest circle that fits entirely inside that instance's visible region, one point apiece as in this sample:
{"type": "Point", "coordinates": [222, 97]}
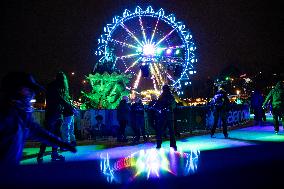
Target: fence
{"type": "Point", "coordinates": [187, 119]}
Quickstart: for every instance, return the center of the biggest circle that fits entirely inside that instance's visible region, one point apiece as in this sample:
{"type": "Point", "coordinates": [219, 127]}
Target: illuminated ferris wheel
{"type": "Point", "coordinates": [151, 46]}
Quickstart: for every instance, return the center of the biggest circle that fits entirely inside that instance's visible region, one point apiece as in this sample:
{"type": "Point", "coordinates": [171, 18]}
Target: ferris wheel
{"type": "Point", "coordinates": [151, 46]}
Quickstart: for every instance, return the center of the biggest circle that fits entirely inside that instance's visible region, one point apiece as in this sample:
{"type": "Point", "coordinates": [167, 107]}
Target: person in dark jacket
{"type": "Point", "coordinates": [137, 120]}
{"type": "Point", "coordinates": [55, 104]}
{"type": "Point", "coordinates": [16, 121]}
{"type": "Point", "coordinates": [123, 116]}
{"type": "Point", "coordinates": [165, 106]}
{"type": "Point", "coordinates": [256, 106]}
{"type": "Point", "coordinates": [276, 98]}
{"type": "Point", "coordinates": [220, 103]}
{"type": "Point", "coordinates": [151, 112]}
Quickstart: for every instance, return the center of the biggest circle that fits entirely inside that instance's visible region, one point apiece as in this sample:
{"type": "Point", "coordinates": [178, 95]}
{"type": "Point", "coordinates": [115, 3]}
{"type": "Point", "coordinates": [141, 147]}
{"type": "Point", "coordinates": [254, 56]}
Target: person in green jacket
{"type": "Point", "coordinates": [276, 98]}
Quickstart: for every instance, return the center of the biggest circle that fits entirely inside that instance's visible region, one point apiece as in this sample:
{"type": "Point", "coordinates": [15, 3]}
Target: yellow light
{"type": "Point", "coordinates": [238, 92]}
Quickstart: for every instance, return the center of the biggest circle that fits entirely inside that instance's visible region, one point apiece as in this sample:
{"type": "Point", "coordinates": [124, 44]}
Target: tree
{"type": "Point", "coordinates": [107, 90]}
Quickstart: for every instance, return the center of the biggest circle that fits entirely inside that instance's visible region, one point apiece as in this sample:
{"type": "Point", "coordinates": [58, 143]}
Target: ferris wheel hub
{"type": "Point", "coordinates": [149, 50]}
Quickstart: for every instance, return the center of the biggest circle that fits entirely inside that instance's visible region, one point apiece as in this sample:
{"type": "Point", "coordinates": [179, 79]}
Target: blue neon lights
{"type": "Point", "coordinates": [149, 45]}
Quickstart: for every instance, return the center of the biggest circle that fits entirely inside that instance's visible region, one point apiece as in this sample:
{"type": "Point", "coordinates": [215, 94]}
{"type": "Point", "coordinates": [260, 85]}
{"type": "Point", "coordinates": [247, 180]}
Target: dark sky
{"type": "Point", "coordinates": [43, 37]}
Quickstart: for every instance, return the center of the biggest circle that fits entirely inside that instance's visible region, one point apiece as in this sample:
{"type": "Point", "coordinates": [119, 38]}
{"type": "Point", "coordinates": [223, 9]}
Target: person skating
{"type": "Point", "coordinates": [256, 106]}
{"type": "Point", "coordinates": [276, 97]}
{"type": "Point", "coordinates": [165, 106]}
{"type": "Point", "coordinates": [123, 116]}
{"type": "Point", "coordinates": [220, 103]}
{"type": "Point", "coordinates": [55, 103]}
{"type": "Point", "coordinates": [137, 120]}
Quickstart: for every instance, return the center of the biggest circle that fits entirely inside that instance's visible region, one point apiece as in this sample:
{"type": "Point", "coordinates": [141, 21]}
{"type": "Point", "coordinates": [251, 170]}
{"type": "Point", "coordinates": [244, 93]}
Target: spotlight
{"type": "Point", "coordinates": [169, 51]}
{"type": "Point", "coordinates": [149, 50]}
{"type": "Point", "coordinates": [177, 52]}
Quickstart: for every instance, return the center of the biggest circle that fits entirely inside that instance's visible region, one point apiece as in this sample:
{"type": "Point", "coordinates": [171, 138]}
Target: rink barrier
{"type": "Point", "coordinates": [187, 119]}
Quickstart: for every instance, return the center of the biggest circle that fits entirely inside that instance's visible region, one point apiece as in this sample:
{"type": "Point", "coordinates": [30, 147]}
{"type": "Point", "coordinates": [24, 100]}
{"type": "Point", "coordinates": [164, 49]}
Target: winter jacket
{"type": "Point", "coordinates": [137, 109]}
{"type": "Point", "coordinates": [256, 100]}
{"type": "Point", "coordinates": [123, 111]}
{"type": "Point", "coordinates": [276, 96]}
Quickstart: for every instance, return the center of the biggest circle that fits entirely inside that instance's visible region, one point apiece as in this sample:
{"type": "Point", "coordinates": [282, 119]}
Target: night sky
{"type": "Point", "coordinates": [44, 37]}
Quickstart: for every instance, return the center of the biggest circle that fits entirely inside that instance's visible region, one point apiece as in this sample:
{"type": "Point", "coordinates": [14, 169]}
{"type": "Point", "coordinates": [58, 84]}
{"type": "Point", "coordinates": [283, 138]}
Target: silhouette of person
{"type": "Point", "coordinates": [276, 97]}
{"type": "Point", "coordinates": [166, 105]}
{"type": "Point", "coordinates": [137, 120]}
{"type": "Point", "coordinates": [16, 121]}
{"type": "Point", "coordinates": [220, 103]}
{"type": "Point", "coordinates": [123, 116]}
{"type": "Point", "coordinates": [256, 105]}
{"type": "Point", "coordinates": [55, 104]}
{"type": "Point", "coordinates": [151, 113]}
{"type": "Point", "coordinates": [69, 110]}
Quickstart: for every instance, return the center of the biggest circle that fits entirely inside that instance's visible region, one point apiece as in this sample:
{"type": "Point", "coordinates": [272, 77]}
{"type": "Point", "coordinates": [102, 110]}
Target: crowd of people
{"type": "Point", "coordinates": [160, 114]}
{"type": "Point", "coordinates": [16, 121]}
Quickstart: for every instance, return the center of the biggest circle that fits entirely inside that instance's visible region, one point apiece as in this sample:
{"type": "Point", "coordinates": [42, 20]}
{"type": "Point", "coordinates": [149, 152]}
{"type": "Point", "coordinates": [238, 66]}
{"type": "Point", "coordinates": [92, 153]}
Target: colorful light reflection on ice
{"type": "Point", "coordinates": [149, 163]}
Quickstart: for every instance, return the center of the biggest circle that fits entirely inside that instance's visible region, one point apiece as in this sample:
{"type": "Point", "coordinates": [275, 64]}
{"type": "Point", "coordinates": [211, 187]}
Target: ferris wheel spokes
{"type": "Point", "coordinates": [127, 56]}
{"type": "Point", "coordinates": [123, 44]}
{"type": "Point", "coordinates": [142, 29]}
{"type": "Point", "coordinates": [154, 31]}
{"type": "Point", "coordinates": [165, 37]}
{"type": "Point", "coordinates": [136, 82]}
{"type": "Point", "coordinates": [131, 34]}
{"type": "Point", "coordinates": [133, 64]}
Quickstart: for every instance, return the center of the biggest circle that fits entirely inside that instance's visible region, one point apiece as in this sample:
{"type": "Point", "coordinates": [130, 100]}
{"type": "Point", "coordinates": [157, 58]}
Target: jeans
{"type": "Point", "coordinates": [67, 129]}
